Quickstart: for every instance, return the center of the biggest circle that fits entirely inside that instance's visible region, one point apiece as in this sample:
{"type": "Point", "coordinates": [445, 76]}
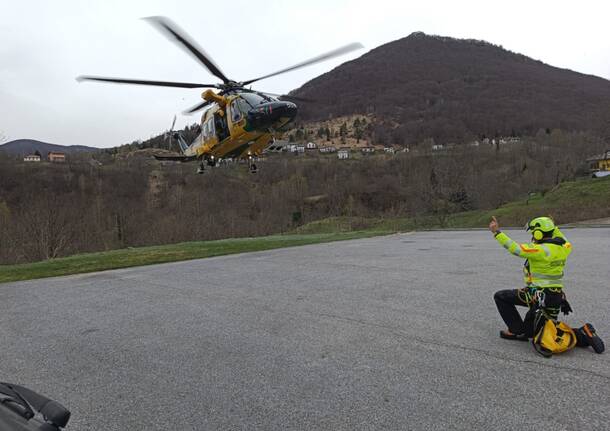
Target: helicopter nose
{"type": "Point", "coordinates": [290, 110]}
{"type": "Point", "coordinates": [272, 114]}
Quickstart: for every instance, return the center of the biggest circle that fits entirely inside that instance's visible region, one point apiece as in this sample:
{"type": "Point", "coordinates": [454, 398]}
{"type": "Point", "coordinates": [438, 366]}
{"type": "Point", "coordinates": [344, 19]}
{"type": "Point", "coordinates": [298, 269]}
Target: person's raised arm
{"type": "Point", "coordinates": [526, 251]}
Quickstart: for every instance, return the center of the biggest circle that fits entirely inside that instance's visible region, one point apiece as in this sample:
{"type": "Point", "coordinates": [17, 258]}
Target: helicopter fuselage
{"type": "Point", "coordinates": [238, 122]}
{"type": "Point", "coordinates": [239, 125]}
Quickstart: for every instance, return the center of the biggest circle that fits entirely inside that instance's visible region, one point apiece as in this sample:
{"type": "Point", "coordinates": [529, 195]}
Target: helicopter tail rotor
{"type": "Point", "coordinates": [168, 133]}
{"type": "Point", "coordinates": [177, 136]}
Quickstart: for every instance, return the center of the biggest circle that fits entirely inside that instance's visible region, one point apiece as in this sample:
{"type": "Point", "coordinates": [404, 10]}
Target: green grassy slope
{"type": "Point", "coordinates": [567, 203]}
{"type": "Point", "coordinates": [124, 258]}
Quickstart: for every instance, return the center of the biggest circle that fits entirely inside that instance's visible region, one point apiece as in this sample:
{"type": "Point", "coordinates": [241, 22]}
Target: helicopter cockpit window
{"type": "Point", "coordinates": [242, 105]}
{"type": "Point", "coordinates": [206, 130]}
{"type": "Point", "coordinates": [235, 111]}
{"type": "Point", "coordinates": [254, 99]}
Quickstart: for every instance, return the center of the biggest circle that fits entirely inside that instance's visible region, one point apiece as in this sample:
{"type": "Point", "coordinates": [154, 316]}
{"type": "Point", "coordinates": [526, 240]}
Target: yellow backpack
{"type": "Point", "coordinates": [553, 337]}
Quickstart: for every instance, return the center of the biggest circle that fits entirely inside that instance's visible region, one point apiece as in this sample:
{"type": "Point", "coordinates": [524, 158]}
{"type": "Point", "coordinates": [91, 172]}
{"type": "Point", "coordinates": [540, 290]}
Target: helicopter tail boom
{"type": "Point", "coordinates": [181, 158]}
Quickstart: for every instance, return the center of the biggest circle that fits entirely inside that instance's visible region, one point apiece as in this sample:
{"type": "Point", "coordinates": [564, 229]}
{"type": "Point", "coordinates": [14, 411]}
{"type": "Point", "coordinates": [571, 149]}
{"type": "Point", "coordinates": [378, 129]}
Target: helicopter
{"type": "Point", "coordinates": [239, 123]}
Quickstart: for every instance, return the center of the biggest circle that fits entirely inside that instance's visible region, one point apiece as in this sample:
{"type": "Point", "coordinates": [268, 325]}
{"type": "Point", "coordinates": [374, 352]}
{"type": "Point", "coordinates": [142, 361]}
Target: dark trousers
{"type": "Point", "coordinates": [506, 301]}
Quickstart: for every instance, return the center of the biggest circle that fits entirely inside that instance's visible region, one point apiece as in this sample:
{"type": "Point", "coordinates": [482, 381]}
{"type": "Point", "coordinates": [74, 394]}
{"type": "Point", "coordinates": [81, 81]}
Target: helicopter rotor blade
{"type": "Point", "coordinates": [172, 30]}
{"type": "Point", "coordinates": [288, 97]}
{"type": "Point", "coordinates": [145, 82]}
{"type": "Point", "coordinates": [171, 129]}
{"type": "Point", "coordinates": [197, 107]}
{"type": "Point", "coordinates": [331, 54]}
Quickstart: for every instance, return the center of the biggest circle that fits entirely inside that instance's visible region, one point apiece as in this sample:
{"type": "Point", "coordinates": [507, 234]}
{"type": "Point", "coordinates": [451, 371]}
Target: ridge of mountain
{"type": "Point", "coordinates": [23, 147]}
{"type": "Point", "coordinates": [453, 89]}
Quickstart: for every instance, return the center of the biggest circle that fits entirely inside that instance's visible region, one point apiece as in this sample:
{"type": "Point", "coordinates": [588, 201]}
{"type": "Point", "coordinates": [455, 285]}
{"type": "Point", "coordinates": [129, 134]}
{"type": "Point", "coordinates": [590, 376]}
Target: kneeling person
{"type": "Point", "coordinates": [545, 259]}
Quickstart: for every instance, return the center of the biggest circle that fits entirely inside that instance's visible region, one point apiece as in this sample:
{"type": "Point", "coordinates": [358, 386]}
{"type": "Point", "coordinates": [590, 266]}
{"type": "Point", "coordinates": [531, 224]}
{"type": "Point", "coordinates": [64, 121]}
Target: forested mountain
{"type": "Point", "coordinates": [30, 146]}
{"type": "Point", "coordinates": [452, 90]}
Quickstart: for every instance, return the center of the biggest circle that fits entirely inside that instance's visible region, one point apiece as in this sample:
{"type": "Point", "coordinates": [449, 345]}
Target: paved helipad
{"type": "Point", "coordinates": [395, 332]}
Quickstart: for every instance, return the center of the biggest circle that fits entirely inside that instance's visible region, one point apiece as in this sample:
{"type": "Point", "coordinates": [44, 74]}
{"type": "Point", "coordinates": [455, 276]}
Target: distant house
{"type": "Point", "coordinates": [300, 148]}
{"type": "Point", "coordinates": [599, 162]}
{"type": "Point", "coordinates": [311, 146]}
{"type": "Point", "coordinates": [329, 149]}
{"type": "Point", "coordinates": [343, 153]}
{"type": "Point", "coordinates": [56, 157]}
{"type": "Point", "coordinates": [31, 158]}
{"type": "Point", "coordinates": [389, 150]}
{"type": "Point", "coordinates": [292, 148]}
{"type": "Point", "coordinates": [367, 150]}
{"type": "Point", "coordinates": [510, 140]}
{"type": "Point", "coordinates": [437, 147]}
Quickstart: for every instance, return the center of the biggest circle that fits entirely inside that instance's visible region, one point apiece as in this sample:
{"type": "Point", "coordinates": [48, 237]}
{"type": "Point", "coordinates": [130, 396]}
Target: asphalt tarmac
{"type": "Point", "coordinates": [396, 332]}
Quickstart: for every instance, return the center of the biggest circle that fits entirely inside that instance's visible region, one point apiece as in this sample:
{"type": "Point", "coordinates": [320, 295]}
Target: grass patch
{"type": "Point", "coordinates": [567, 203]}
{"type": "Point", "coordinates": [125, 258]}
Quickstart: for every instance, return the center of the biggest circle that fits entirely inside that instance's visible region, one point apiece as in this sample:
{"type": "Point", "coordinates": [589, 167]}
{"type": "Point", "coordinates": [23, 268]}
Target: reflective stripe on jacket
{"type": "Point", "coordinates": [545, 260]}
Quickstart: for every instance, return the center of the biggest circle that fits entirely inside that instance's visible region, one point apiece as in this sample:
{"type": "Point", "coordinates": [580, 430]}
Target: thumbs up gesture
{"type": "Point", "coordinates": [494, 226]}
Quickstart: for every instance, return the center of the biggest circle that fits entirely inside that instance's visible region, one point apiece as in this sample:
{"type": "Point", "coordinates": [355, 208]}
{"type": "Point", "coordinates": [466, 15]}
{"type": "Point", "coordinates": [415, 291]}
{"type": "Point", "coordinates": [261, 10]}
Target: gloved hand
{"type": "Point", "coordinates": [565, 306]}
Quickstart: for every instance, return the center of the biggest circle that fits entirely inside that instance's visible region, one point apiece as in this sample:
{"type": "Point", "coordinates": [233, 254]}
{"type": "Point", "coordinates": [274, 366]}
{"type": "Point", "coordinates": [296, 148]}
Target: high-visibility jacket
{"type": "Point", "coordinates": [545, 259]}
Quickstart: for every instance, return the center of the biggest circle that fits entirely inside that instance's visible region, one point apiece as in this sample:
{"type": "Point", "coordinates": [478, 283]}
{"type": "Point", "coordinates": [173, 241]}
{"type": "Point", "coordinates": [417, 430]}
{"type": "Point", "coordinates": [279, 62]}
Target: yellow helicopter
{"type": "Point", "coordinates": [239, 122]}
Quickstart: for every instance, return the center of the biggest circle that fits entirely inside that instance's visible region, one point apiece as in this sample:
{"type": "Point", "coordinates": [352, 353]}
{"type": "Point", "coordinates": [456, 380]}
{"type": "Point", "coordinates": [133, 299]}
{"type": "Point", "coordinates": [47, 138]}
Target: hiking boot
{"type": "Point", "coordinates": [507, 335]}
{"type": "Point", "coordinates": [591, 337]}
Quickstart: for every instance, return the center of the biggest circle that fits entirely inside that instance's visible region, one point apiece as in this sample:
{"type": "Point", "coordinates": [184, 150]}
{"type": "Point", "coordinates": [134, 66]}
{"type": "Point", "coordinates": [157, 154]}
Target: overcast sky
{"type": "Point", "coordinates": [44, 45]}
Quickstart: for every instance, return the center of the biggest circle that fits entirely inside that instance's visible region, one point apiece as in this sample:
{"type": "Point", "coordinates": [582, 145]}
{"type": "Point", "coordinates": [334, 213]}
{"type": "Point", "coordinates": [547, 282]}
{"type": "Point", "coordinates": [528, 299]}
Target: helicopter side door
{"type": "Point", "coordinates": [221, 126]}
{"type": "Point", "coordinates": [207, 139]}
{"type": "Point", "coordinates": [207, 130]}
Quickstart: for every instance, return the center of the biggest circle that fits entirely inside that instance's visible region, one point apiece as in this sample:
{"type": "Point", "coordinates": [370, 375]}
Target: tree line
{"type": "Point", "coordinates": [49, 211]}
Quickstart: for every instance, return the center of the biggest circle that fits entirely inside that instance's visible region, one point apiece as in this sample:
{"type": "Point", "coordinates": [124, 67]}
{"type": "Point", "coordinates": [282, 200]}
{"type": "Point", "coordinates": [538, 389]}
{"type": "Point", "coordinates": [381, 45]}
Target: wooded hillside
{"type": "Point", "coordinates": [51, 210]}
{"type": "Point", "coordinates": [456, 90]}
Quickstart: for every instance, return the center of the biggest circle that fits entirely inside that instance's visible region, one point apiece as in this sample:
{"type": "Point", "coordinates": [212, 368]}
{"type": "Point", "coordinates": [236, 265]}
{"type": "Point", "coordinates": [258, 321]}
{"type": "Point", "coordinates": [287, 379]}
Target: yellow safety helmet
{"type": "Point", "coordinates": [539, 226]}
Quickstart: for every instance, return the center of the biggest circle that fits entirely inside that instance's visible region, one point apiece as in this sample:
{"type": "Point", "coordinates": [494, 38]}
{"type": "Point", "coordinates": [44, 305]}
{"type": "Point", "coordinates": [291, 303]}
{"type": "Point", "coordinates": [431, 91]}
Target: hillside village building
{"type": "Point", "coordinates": [31, 158]}
{"type": "Point", "coordinates": [56, 157]}
{"type": "Point", "coordinates": [600, 162]}
{"type": "Point", "coordinates": [329, 149]}
{"type": "Point", "coordinates": [343, 153]}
